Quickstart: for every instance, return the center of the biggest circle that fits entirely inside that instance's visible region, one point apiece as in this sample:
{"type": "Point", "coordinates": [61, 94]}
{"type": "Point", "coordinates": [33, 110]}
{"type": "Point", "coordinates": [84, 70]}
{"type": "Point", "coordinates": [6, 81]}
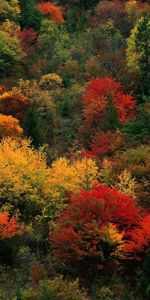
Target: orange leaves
{"type": "Point", "coordinates": [51, 11]}
{"type": "Point", "coordinates": [8, 227]}
{"type": "Point", "coordinates": [13, 103]}
{"type": "Point", "coordinates": [9, 126]}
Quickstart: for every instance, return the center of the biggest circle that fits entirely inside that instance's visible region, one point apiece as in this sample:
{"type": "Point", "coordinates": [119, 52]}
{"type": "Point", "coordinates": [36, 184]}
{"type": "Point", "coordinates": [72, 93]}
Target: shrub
{"type": "Point", "coordinates": [137, 162]}
{"type": "Point", "coordinates": [55, 289]}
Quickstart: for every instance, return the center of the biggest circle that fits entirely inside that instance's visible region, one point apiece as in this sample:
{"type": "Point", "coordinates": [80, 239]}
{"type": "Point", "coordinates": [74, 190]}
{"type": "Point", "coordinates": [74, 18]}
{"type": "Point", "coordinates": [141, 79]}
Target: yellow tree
{"type": "Point", "coordinates": [67, 177]}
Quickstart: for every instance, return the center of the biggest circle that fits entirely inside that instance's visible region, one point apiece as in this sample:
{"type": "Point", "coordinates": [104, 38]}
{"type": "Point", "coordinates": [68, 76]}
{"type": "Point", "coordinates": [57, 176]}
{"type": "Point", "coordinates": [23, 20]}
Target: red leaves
{"type": "Point", "coordinates": [106, 142]}
{"type": "Point", "coordinates": [125, 106]}
{"type": "Point", "coordinates": [28, 38]}
{"type": "Point", "coordinates": [71, 243]}
{"type": "Point", "coordinates": [51, 11]}
{"type": "Point", "coordinates": [8, 227]}
{"type": "Point", "coordinates": [139, 238]}
{"type": "Point", "coordinates": [86, 225]}
{"type": "Point", "coordinates": [101, 94]}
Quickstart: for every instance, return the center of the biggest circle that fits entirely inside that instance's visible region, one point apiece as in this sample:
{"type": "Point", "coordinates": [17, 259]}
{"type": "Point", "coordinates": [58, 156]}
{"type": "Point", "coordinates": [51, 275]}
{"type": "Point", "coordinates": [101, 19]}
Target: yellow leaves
{"type": "Point", "coordinates": [23, 173]}
{"type": "Point", "coordinates": [126, 183]}
{"type": "Point", "coordinates": [9, 126]}
{"type": "Point", "coordinates": [51, 80]}
{"type": "Point", "coordinates": [11, 28]}
{"type": "Point", "coordinates": [10, 8]}
{"type": "Point", "coordinates": [70, 177]}
{"type": "Point", "coordinates": [113, 237]}
{"type": "Point", "coordinates": [26, 181]}
{"type": "Point", "coordinates": [16, 6]}
{"type": "Point", "coordinates": [105, 173]}
{"type": "Point", "coordinates": [132, 55]}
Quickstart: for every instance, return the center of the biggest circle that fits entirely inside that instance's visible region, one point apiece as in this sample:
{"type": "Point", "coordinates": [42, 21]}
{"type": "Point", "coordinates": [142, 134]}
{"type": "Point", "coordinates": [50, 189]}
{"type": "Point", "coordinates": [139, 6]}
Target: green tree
{"type": "Point", "coordinates": [30, 16]}
{"type": "Point", "coordinates": [39, 122]}
{"type": "Point", "coordinates": [138, 51]}
{"type": "Point", "coordinates": [54, 43]}
{"type": "Point", "coordinates": [10, 52]}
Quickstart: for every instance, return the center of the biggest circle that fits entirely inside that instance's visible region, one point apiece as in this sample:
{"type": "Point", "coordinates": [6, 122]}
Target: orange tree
{"type": "Point", "coordinates": [9, 126]}
{"type": "Point", "coordinates": [51, 11]}
{"type": "Point", "coordinates": [9, 233]}
{"type": "Point", "coordinates": [13, 103]}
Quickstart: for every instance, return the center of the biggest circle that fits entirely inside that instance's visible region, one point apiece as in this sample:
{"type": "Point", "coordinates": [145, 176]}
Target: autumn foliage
{"type": "Point", "coordinates": [9, 126]}
{"type": "Point", "coordinates": [97, 224]}
{"type": "Point", "coordinates": [105, 143]}
{"type": "Point", "coordinates": [51, 11]}
{"type": "Point", "coordinates": [13, 103]}
{"type": "Point", "coordinates": [105, 97]}
{"type": "Point", "coordinates": [8, 226]}
{"type": "Point", "coordinates": [28, 38]}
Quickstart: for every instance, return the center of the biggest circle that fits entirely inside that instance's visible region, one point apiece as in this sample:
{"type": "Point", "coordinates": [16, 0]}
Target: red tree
{"type": "Point", "coordinates": [28, 38]}
{"type": "Point", "coordinates": [8, 227]}
{"type": "Point", "coordinates": [95, 224]}
{"type": "Point", "coordinates": [139, 238]}
{"type": "Point", "coordinates": [51, 11]}
{"type": "Point", "coordinates": [104, 95]}
{"type": "Point", "coordinates": [106, 143]}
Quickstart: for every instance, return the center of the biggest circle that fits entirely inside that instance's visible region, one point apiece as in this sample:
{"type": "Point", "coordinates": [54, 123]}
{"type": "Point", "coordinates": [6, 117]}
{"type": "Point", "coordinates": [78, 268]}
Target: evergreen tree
{"type": "Point", "coordinates": [138, 52]}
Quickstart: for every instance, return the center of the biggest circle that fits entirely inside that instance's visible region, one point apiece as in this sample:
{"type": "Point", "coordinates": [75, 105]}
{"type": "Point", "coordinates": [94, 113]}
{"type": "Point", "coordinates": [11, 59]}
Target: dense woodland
{"type": "Point", "coordinates": [74, 150]}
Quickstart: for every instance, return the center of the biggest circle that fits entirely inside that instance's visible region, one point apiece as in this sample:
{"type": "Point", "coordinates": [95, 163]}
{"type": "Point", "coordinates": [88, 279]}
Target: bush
{"type": "Point", "coordinates": [137, 162]}
{"type": "Point", "coordinates": [55, 289]}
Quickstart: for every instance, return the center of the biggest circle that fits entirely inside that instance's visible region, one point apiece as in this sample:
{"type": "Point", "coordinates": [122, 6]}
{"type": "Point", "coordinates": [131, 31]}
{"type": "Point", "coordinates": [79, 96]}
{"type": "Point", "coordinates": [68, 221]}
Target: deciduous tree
{"type": "Point", "coordinates": [51, 11]}
{"type": "Point", "coordinates": [9, 126]}
{"type": "Point", "coordinates": [8, 226]}
{"type": "Point", "coordinates": [105, 105]}
{"type": "Point", "coordinates": [94, 226]}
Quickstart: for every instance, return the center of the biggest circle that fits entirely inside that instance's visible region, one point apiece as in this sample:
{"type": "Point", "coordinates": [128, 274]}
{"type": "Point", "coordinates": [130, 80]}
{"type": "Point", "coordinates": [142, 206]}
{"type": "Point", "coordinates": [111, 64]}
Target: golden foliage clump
{"type": "Point", "coordinates": [66, 177]}
{"type": "Point", "coordinates": [11, 28]}
{"type": "Point", "coordinates": [127, 183]}
{"type": "Point", "coordinates": [10, 9]}
{"type": "Point", "coordinates": [27, 185]}
{"type": "Point", "coordinates": [23, 176]}
{"type": "Point", "coordinates": [113, 236]}
{"type": "Point", "coordinates": [51, 80]}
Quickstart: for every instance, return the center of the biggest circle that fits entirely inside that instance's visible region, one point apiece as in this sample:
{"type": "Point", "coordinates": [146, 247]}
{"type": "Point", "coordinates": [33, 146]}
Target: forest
{"type": "Point", "coordinates": [74, 150]}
